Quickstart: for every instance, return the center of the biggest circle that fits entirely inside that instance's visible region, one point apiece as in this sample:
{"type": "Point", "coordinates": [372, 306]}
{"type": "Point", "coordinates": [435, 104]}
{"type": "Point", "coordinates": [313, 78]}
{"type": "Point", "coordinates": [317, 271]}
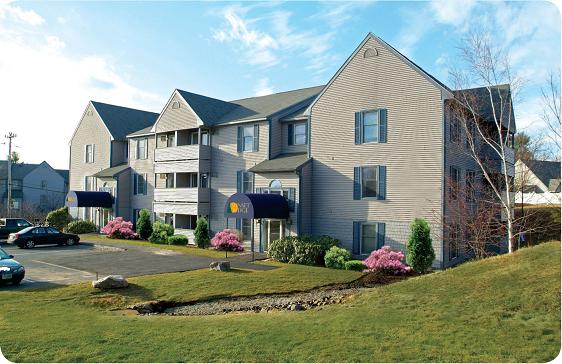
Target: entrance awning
{"type": "Point", "coordinates": [257, 206]}
{"type": "Point", "coordinates": [88, 199]}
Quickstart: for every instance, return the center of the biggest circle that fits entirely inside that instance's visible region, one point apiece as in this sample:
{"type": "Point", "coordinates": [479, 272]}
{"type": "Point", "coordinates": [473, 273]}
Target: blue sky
{"type": "Point", "coordinates": [55, 56]}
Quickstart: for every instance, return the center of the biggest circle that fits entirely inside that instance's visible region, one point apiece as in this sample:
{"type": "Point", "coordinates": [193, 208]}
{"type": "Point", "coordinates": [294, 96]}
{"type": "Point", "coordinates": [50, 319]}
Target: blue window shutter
{"type": "Point", "coordinates": [256, 137]}
{"type": "Point", "coordinates": [239, 181]}
{"type": "Point", "coordinates": [381, 227]}
{"type": "Point", "coordinates": [240, 141]}
{"type": "Point", "coordinates": [291, 198]}
{"type": "Point", "coordinates": [135, 184]}
{"type": "Point", "coordinates": [238, 224]}
{"type": "Point", "coordinates": [358, 127]}
{"type": "Point", "coordinates": [356, 183]}
{"type": "Point", "coordinates": [381, 195]}
{"type": "Point", "coordinates": [253, 182]}
{"type": "Point", "coordinates": [291, 134]}
{"type": "Point", "coordinates": [356, 237]}
{"type": "Point", "coordinates": [382, 126]}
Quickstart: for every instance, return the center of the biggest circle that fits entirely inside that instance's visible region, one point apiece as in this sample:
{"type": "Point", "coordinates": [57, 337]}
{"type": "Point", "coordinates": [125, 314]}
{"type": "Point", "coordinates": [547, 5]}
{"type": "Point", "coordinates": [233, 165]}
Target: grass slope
{"type": "Point", "coordinates": [502, 309]}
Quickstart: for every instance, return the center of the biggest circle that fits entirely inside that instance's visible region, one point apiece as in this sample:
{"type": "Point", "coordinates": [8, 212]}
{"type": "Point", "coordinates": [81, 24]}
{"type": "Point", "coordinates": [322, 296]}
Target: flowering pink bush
{"type": "Point", "coordinates": [119, 229]}
{"type": "Point", "coordinates": [387, 261]}
{"type": "Point", "coordinates": [228, 240]}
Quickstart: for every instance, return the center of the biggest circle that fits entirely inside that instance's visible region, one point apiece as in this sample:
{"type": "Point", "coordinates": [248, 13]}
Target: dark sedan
{"type": "Point", "coordinates": [39, 235]}
{"type": "Point", "coordinates": [10, 270]}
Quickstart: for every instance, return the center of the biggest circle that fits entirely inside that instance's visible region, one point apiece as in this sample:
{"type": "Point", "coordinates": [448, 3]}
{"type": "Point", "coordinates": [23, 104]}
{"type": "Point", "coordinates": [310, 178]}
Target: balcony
{"type": "Point", "coordinates": [182, 194]}
{"type": "Point", "coordinates": [182, 152]}
{"type": "Point", "coordinates": [187, 208]}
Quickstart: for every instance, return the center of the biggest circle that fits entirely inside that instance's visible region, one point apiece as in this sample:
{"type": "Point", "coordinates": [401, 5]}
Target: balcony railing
{"type": "Point", "coordinates": [182, 194]}
{"type": "Point", "coordinates": [182, 152]}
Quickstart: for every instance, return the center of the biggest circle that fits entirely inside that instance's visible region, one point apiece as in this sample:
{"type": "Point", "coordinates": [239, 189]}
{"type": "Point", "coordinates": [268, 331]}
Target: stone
{"type": "Point", "coordinates": [223, 266]}
{"type": "Point", "coordinates": [297, 307]}
{"type": "Point", "coordinates": [109, 282]}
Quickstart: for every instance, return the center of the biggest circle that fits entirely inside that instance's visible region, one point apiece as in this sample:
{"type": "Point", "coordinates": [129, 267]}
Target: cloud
{"type": "Point", "coordinates": [263, 87]}
{"type": "Point", "coordinates": [45, 91]}
{"type": "Point", "coordinates": [7, 10]}
{"type": "Point", "coordinates": [454, 12]}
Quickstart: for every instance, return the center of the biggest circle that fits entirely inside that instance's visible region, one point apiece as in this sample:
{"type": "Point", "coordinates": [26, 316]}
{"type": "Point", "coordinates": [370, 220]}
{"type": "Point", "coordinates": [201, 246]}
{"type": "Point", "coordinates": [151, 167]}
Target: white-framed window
{"type": "Point", "coordinates": [248, 138]}
{"type": "Point", "coordinates": [369, 182]}
{"type": "Point", "coordinates": [168, 180]}
{"type": "Point", "coordinates": [204, 137]}
{"type": "Point", "coordinates": [194, 138]}
{"type": "Point", "coordinates": [369, 238]}
{"type": "Point", "coordinates": [142, 148]}
{"type": "Point", "coordinates": [300, 134]}
{"type": "Point", "coordinates": [187, 222]}
{"type": "Point", "coordinates": [247, 182]}
{"type": "Point", "coordinates": [246, 229]}
{"type": "Point", "coordinates": [140, 184]}
{"type": "Point", "coordinates": [454, 180]}
{"type": "Point", "coordinates": [275, 184]}
{"type": "Point", "coordinates": [370, 126]}
{"type": "Point", "coordinates": [89, 183]}
{"type": "Point", "coordinates": [89, 153]}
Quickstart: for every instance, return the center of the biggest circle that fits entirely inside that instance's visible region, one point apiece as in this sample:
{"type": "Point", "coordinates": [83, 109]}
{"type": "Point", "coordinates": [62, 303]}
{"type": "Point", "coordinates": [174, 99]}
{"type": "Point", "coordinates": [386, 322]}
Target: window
{"type": "Point", "coordinates": [38, 231]}
{"type": "Point", "coordinates": [454, 176]}
{"type": "Point", "coordinates": [370, 126]}
{"type": "Point", "coordinates": [288, 193]}
{"type": "Point", "coordinates": [51, 230]}
{"type": "Point", "coordinates": [248, 138]}
{"type": "Point", "coordinates": [193, 138]}
{"type": "Point", "coordinates": [297, 134]}
{"type": "Point", "coordinates": [368, 238]}
{"type": "Point", "coordinates": [139, 187]}
{"type": "Point", "coordinates": [168, 180]}
{"type": "Point", "coordinates": [16, 203]}
{"type": "Point", "coordinates": [470, 186]}
{"type": "Point", "coordinates": [142, 148]}
{"type": "Point", "coordinates": [454, 130]}
{"type": "Point", "coordinates": [16, 184]}
{"type": "Point", "coordinates": [246, 229]}
{"type": "Point", "coordinates": [510, 140]}
{"type": "Point", "coordinates": [187, 222]}
{"type": "Point", "coordinates": [275, 184]}
{"type": "Point", "coordinates": [89, 153]}
{"type": "Point", "coordinates": [369, 182]}
{"type": "Point", "coordinates": [454, 246]}
{"type": "Point", "coordinates": [176, 105]}
{"type": "Point", "coordinates": [167, 218]}
{"type": "Point", "coordinates": [204, 183]}
{"type": "Point", "coordinates": [43, 184]}
{"type": "Point", "coordinates": [22, 223]}
{"type": "Point", "coordinates": [247, 182]}
{"type": "Point", "coordinates": [204, 137]}
{"type": "Point", "coordinates": [89, 183]}
{"type": "Point", "coordinates": [471, 134]}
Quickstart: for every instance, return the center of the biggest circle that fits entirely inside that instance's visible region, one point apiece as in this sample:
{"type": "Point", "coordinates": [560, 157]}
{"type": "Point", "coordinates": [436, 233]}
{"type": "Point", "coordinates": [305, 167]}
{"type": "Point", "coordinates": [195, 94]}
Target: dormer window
{"type": "Point", "coordinates": [175, 105]}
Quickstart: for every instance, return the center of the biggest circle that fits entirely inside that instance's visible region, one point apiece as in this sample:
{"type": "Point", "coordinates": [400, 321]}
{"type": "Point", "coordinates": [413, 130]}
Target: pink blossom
{"type": "Point", "coordinates": [227, 240]}
{"type": "Point", "coordinates": [119, 229]}
{"type": "Point", "coordinates": [386, 260]}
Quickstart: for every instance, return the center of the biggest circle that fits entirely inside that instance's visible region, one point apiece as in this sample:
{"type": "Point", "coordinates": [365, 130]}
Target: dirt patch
{"type": "Point", "coordinates": [293, 301]}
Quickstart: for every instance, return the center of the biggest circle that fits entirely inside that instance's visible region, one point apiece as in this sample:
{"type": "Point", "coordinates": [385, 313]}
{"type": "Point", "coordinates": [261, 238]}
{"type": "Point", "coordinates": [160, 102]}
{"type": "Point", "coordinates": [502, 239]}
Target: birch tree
{"type": "Point", "coordinates": [551, 110]}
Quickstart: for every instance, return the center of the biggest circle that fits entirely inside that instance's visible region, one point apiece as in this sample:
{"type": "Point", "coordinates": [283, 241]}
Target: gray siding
{"type": "Point", "coordinates": [176, 119]}
{"type": "Point", "coordinates": [118, 152]}
{"type": "Point", "coordinates": [413, 154]}
{"type": "Point", "coordinates": [285, 139]}
{"type": "Point", "coordinates": [305, 199]}
{"type": "Point", "coordinates": [142, 166]}
{"type": "Point", "coordinates": [54, 193]}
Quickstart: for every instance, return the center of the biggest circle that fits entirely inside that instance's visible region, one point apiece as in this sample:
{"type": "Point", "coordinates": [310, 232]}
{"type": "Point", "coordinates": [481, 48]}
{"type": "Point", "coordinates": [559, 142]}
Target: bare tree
{"type": "Point", "coordinates": [551, 109]}
{"type": "Point", "coordinates": [486, 113]}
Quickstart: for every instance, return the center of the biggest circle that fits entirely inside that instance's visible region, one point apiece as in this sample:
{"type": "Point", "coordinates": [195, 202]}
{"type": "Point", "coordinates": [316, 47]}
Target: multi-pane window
{"type": "Point", "coordinates": [454, 130]}
{"type": "Point", "coordinates": [192, 180]}
{"type": "Point", "coordinates": [248, 138]}
{"type": "Point", "coordinates": [167, 218]}
{"type": "Point", "coordinates": [89, 183]}
{"type": "Point", "coordinates": [470, 186]}
{"type": "Point", "coordinates": [247, 182]}
{"type": "Point", "coordinates": [369, 181]}
{"type": "Point", "coordinates": [89, 153]}
{"type": "Point", "coordinates": [194, 138]}
{"type": "Point", "coordinates": [246, 229]}
{"type": "Point", "coordinates": [142, 148]}
{"type": "Point", "coordinates": [168, 180]}
{"type": "Point", "coordinates": [204, 137]}
{"type": "Point", "coordinates": [297, 134]}
{"type": "Point", "coordinates": [370, 126]}
{"type": "Point", "coordinates": [368, 238]}
{"type": "Point", "coordinates": [204, 180]}
{"type": "Point", "coordinates": [187, 222]}
{"type": "Point", "coordinates": [454, 180]}
{"type": "Point", "coordinates": [140, 184]}
{"type": "Point", "coordinates": [454, 246]}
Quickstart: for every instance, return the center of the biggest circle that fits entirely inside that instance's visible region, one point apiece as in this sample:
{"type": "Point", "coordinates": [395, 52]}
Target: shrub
{"type": "Point", "coordinates": [420, 251]}
{"type": "Point", "coordinates": [178, 240]}
{"type": "Point", "coordinates": [336, 257]}
{"type": "Point", "coordinates": [283, 249]}
{"type": "Point", "coordinates": [160, 233]}
{"type": "Point", "coordinates": [144, 225]}
{"type": "Point", "coordinates": [81, 227]}
{"type": "Point", "coordinates": [119, 229]}
{"type": "Point", "coordinates": [384, 260]}
{"type": "Point", "coordinates": [59, 218]}
{"type": "Point", "coordinates": [326, 242]}
{"type": "Point", "coordinates": [202, 233]}
{"type": "Point", "coordinates": [357, 265]}
{"type": "Point", "coordinates": [227, 240]}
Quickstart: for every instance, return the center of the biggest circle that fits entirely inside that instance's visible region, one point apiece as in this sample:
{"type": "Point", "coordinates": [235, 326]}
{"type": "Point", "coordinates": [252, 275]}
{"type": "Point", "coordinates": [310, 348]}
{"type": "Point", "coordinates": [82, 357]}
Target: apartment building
{"type": "Point", "coordinates": [357, 159]}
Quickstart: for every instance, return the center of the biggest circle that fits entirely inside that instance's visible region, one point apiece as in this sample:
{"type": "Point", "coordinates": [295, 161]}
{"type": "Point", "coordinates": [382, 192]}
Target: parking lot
{"type": "Point", "coordinates": [62, 265]}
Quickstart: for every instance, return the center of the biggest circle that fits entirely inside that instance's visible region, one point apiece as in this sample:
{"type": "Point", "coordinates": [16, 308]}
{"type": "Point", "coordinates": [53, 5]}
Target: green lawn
{"type": "Point", "coordinates": [190, 249]}
{"type": "Point", "coordinates": [502, 309]}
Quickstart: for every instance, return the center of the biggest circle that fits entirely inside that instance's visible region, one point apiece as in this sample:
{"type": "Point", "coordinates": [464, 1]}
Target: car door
{"type": "Point", "coordinates": [39, 236]}
{"type": "Point", "coordinates": [54, 236]}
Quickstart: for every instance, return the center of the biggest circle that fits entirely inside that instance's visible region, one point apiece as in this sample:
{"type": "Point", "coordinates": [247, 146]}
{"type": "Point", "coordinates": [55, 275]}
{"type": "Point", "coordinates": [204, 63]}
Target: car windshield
{"type": "Point", "coordinates": [3, 254]}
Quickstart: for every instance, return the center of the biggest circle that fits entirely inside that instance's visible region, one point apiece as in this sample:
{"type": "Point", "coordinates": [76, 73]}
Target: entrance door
{"type": "Point", "coordinates": [105, 216]}
{"type": "Point", "coordinates": [274, 231]}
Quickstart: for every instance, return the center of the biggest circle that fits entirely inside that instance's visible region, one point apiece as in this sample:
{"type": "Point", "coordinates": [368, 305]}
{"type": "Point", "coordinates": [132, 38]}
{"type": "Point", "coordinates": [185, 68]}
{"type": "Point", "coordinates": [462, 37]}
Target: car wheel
{"type": "Point", "coordinates": [16, 283]}
{"type": "Point", "coordinates": [70, 242]}
{"type": "Point", "coordinates": [29, 244]}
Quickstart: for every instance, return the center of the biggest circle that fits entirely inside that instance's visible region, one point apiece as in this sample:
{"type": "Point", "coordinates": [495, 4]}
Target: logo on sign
{"type": "Point", "coordinates": [237, 207]}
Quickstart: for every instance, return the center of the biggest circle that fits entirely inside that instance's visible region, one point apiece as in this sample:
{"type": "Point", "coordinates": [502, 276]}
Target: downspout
{"type": "Point", "coordinates": [270, 123]}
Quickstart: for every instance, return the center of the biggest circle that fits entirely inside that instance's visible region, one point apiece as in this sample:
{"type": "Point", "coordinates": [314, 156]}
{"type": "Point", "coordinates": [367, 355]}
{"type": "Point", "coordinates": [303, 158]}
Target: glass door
{"type": "Point", "coordinates": [274, 231]}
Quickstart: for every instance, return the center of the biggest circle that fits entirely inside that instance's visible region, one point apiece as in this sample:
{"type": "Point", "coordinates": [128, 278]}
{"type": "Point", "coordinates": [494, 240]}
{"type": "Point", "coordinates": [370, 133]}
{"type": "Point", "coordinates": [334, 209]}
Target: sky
{"type": "Point", "coordinates": [56, 56]}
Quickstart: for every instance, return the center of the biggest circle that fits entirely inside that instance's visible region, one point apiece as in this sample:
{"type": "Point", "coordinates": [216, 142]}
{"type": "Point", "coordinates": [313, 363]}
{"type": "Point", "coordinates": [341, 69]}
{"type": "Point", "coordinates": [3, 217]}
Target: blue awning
{"type": "Point", "coordinates": [88, 199]}
{"type": "Point", "coordinates": [257, 206]}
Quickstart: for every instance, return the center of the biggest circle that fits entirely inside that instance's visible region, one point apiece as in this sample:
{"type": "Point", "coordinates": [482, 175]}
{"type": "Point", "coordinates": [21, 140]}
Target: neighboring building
{"type": "Point", "coordinates": [357, 159]}
{"type": "Point", "coordinates": [538, 182]}
{"type": "Point", "coordinates": [35, 187]}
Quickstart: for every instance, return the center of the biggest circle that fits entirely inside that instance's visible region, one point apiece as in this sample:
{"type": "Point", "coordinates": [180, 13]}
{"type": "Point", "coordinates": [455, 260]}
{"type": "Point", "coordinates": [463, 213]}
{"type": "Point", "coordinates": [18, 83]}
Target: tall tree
{"type": "Point", "coordinates": [551, 109]}
{"type": "Point", "coordinates": [15, 157]}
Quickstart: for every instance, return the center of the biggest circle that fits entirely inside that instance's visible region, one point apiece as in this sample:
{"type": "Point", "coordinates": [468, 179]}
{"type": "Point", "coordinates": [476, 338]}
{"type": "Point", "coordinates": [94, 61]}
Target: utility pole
{"type": "Point", "coordinates": [10, 136]}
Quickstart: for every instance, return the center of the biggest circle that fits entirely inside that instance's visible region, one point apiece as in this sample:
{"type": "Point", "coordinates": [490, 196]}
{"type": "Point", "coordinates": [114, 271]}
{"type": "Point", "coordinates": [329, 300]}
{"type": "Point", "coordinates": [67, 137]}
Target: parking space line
{"type": "Point", "coordinates": [62, 266]}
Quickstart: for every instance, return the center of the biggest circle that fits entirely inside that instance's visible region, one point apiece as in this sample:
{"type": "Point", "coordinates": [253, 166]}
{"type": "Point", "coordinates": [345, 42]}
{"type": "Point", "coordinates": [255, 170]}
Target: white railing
{"type": "Point", "coordinates": [182, 152]}
{"type": "Point", "coordinates": [182, 194]}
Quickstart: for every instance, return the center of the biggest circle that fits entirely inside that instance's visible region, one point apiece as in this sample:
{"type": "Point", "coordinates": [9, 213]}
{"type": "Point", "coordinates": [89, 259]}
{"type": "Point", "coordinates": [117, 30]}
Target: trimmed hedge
{"type": "Point", "coordinates": [81, 227]}
{"type": "Point", "coordinates": [336, 257]}
{"type": "Point", "coordinates": [59, 218]}
{"type": "Point", "coordinates": [305, 250]}
{"type": "Point", "coordinates": [355, 265]}
{"type": "Point", "coordinates": [161, 232]}
{"type": "Point", "coordinates": [178, 240]}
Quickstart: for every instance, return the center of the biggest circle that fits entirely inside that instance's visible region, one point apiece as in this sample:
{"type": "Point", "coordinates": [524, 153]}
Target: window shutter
{"type": "Point", "coordinates": [239, 181]}
{"type": "Point", "coordinates": [238, 224]}
{"type": "Point", "coordinates": [291, 198]}
{"type": "Point", "coordinates": [256, 138]}
{"type": "Point", "coordinates": [356, 183]}
{"type": "Point", "coordinates": [93, 153]}
{"type": "Point", "coordinates": [146, 148]}
{"type": "Point", "coordinates": [356, 237]}
{"type": "Point", "coordinates": [145, 181]}
{"type": "Point", "coordinates": [382, 126]}
{"type": "Point", "coordinates": [239, 142]}
{"type": "Point", "coordinates": [135, 189]}
{"type": "Point", "coordinates": [381, 227]}
{"type": "Point", "coordinates": [381, 195]}
{"type": "Point", "coordinates": [86, 153]}
{"type": "Point", "coordinates": [253, 182]}
{"type": "Point", "coordinates": [358, 127]}
{"type": "Point", "coordinates": [291, 133]}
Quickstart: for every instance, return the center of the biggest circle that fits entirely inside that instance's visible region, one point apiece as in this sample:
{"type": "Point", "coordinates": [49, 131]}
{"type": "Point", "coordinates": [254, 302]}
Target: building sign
{"type": "Point", "coordinates": [256, 206]}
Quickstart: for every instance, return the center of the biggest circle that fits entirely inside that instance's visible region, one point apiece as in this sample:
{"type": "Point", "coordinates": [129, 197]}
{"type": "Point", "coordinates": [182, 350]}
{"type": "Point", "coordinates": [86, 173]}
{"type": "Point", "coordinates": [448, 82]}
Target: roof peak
{"type": "Point", "coordinates": [122, 107]}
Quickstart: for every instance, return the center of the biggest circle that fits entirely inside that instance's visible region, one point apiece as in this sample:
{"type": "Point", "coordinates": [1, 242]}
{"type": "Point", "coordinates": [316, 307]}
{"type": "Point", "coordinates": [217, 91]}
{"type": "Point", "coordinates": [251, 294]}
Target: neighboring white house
{"type": "Point", "coordinates": [538, 182]}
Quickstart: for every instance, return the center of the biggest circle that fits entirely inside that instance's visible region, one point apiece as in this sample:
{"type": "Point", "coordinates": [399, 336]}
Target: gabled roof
{"type": "Point", "coordinates": [283, 163]}
{"type": "Point", "coordinates": [208, 109]}
{"type": "Point", "coordinates": [121, 121]}
{"type": "Point", "coordinates": [63, 173]}
{"type": "Point", "coordinates": [479, 99]}
{"type": "Point", "coordinates": [112, 171]}
{"type": "Point", "coordinates": [299, 114]}
{"type": "Point", "coordinates": [547, 172]}
{"type": "Point", "coordinates": [20, 170]}
{"type": "Point", "coordinates": [145, 131]}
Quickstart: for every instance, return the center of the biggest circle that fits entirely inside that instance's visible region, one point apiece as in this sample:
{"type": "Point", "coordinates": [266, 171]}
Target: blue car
{"type": "Point", "coordinates": [10, 270]}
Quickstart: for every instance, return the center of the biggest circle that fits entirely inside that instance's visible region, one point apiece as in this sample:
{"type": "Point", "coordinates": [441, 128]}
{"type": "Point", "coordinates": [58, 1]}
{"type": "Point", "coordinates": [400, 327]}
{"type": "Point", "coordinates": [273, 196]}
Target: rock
{"type": "Point", "coordinates": [110, 282]}
{"type": "Point", "coordinates": [223, 266]}
{"type": "Point", "coordinates": [297, 307]}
